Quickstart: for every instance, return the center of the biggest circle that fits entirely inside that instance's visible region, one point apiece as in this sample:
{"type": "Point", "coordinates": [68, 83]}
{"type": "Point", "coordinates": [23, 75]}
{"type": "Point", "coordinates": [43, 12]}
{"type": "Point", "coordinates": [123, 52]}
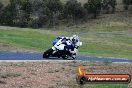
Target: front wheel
{"type": "Point", "coordinates": [47, 53]}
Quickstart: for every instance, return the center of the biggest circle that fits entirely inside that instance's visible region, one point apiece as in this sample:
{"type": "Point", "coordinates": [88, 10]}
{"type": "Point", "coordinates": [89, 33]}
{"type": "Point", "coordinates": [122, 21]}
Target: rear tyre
{"type": "Point", "coordinates": [47, 53]}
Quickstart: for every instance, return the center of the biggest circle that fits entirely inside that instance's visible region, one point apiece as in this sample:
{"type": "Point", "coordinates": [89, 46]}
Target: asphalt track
{"type": "Point", "coordinates": [5, 55]}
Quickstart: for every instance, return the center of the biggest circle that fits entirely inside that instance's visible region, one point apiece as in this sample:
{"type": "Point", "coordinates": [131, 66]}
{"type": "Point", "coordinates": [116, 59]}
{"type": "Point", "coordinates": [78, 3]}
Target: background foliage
{"type": "Point", "coordinates": [49, 13]}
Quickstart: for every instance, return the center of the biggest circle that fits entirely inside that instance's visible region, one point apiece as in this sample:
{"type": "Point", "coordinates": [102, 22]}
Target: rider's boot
{"type": "Point", "coordinates": [74, 56]}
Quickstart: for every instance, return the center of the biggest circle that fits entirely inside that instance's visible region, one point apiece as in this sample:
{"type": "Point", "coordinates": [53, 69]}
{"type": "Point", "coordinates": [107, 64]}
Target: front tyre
{"type": "Point", "coordinates": [47, 53]}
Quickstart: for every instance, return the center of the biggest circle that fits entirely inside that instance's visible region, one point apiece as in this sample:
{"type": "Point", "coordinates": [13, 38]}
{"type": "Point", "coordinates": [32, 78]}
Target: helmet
{"type": "Point", "coordinates": [74, 39]}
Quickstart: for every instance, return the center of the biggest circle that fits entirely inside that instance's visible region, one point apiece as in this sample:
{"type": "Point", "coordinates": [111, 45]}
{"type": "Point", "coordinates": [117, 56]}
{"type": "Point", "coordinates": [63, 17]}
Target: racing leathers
{"type": "Point", "coordinates": [66, 44]}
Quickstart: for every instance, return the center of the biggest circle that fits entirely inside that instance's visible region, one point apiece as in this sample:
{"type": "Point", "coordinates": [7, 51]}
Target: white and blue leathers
{"type": "Point", "coordinates": [66, 43]}
{"type": "Point", "coordinates": [61, 43]}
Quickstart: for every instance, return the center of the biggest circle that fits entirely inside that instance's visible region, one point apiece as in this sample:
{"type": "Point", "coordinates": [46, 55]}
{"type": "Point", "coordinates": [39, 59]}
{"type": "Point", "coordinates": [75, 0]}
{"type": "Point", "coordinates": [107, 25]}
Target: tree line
{"type": "Point", "coordinates": [43, 13]}
{"type": "Point", "coordinates": [127, 3]}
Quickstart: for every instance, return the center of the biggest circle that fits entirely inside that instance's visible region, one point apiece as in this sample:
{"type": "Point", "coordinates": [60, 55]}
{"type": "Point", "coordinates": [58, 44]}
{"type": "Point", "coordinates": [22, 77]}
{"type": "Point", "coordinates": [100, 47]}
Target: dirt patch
{"type": "Point", "coordinates": [8, 47]}
{"type": "Point", "coordinates": [53, 74]}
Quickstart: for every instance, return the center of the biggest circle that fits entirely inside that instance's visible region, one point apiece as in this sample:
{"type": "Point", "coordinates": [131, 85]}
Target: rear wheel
{"type": "Point", "coordinates": [47, 53]}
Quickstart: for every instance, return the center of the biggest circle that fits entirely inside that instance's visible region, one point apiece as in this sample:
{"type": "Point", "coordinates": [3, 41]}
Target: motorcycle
{"type": "Point", "coordinates": [60, 49]}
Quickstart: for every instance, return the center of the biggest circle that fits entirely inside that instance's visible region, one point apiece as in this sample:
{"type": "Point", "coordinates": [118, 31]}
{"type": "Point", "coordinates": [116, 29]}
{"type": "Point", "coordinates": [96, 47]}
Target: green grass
{"type": "Point", "coordinates": [26, 39]}
{"type": "Point", "coordinates": [99, 86]}
{"type": "Point", "coordinates": [107, 36]}
{"type": "Point", "coordinates": [107, 45]}
{"type": "Point", "coordinates": [100, 44]}
{"type": "Point", "coordinates": [107, 86]}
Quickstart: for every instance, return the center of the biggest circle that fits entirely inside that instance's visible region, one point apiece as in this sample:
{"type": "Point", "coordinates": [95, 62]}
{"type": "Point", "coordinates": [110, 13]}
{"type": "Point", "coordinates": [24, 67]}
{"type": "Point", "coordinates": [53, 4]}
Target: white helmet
{"type": "Point", "coordinates": [74, 39]}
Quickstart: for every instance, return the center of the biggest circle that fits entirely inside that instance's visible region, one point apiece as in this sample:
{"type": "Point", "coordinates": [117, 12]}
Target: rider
{"type": "Point", "coordinates": [76, 44]}
{"type": "Point", "coordinates": [71, 43]}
